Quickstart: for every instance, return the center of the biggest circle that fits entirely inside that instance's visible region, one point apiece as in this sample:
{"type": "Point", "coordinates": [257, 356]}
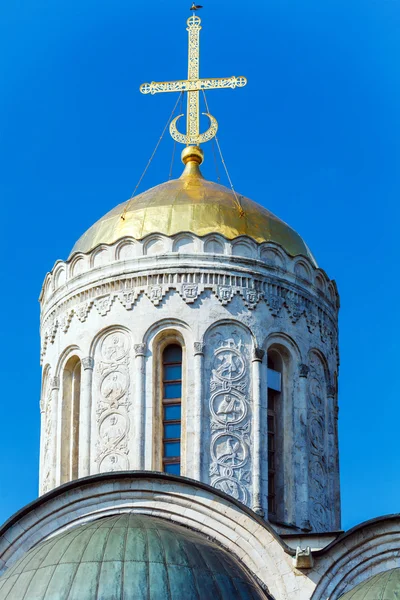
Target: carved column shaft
{"type": "Point", "coordinates": [197, 409]}
{"type": "Point", "coordinates": [85, 416]}
{"type": "Point", "coordinates": [42, 441]}
{"type": "Point", "coordinates": [138, 459]}
{"type": "Point", "coordinates": [257, 432]}
{"type": "Point", "coordinates": [301, 437]}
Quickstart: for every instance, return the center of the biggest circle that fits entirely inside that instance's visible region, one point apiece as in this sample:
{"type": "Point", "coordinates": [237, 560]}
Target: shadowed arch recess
{"type": "Point", "coordinates": [128, 556]}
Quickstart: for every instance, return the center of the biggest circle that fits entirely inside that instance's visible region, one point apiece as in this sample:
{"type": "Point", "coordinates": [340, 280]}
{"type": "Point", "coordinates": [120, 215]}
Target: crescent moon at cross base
{"type": "Point", "coordinates": [197, 139]}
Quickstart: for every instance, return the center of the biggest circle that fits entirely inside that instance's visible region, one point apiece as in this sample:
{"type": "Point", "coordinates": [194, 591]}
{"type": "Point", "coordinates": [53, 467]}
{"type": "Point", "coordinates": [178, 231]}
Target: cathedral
{"type": "Point", "coordinates": [189, 406]}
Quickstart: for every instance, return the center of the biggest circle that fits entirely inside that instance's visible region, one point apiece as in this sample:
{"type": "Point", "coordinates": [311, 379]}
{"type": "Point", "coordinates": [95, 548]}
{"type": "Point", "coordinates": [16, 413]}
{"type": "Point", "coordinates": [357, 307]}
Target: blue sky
{"type": "Point", "coordinates": [314, 137]}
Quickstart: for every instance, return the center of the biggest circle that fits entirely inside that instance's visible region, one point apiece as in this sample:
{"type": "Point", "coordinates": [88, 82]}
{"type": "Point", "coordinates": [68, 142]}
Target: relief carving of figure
{"type": "Point", "coordinates": [230, 414]}
{"type": "Point", "coordinates": [228, 407]}
{"type": "Point", "coordinates": [113, 348]}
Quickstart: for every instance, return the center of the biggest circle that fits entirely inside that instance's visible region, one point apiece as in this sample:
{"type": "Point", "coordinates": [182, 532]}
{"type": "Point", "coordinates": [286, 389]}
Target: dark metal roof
{"type": "Point", "coordinates": [383, 586]}
{"type": "Point", "coordinates": [129, 556]}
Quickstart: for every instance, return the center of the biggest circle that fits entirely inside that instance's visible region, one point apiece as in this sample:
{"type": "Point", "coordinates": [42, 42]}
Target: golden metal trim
{"type": "Point", "coordinates": [192, 85]}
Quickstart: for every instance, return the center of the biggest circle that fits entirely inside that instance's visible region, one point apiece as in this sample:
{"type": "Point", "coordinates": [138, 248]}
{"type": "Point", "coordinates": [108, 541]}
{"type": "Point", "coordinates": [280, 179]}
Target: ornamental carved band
{"type": "Point", "coordinates": [230, 416]}
{"type": "Point", "coordinates": [317, 441]}
{"type": "Point", "coordinates": [47, 433]}
{"type": "Point", "coordinates": [112, 410]}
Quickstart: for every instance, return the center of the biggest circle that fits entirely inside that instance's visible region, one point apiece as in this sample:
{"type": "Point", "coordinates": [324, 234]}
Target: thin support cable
{"type": "Point", "coordinates": [215, 161]}
{"type": "Point", "coordinates": [240, 208]}
{"type": "Point", "coordinates": [174, 146]}
{"type": "Point", "coordinates": [151, 158]}
{"type": "Point", "coordinates": [172, 161]}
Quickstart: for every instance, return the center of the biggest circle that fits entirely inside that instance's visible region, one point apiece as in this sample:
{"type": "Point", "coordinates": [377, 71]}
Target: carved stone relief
{"type": "Point", "coordinates": [317, 443]}
{"type": "Point", "coordinates": [46, 409]}
{"type": "Point", "coordinates": [230, 412]}
{"type": "Point", "coordinates": [279, 298]}
{"type": "Point", "coordinates": [113, 404]}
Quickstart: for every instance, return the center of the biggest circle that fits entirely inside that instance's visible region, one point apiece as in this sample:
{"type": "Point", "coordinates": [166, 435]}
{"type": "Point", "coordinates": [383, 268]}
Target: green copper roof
{"type": "Point", "coordinates": [129, 557]}
{"type": "Point", "coordinates": [384, 586]}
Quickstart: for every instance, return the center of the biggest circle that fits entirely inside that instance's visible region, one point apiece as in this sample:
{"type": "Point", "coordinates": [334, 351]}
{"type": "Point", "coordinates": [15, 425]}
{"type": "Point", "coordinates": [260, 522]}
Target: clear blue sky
{"type": "Point", "coordinates": [314, 137]}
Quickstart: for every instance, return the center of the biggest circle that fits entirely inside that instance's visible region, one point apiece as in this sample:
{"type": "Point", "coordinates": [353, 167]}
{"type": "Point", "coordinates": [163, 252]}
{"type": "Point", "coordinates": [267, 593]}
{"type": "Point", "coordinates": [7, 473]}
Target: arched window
{"type": "Point", "coordinates": [71, 392]}
{"type": "Point", "coordinates": [171, 407]}
{"type": "Point", "coordinates": [274, 379]}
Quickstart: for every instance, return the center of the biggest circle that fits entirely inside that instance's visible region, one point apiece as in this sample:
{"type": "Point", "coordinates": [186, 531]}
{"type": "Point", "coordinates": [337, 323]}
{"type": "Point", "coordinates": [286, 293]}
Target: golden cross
{"type": "Point", "coordinates": [192, 85]}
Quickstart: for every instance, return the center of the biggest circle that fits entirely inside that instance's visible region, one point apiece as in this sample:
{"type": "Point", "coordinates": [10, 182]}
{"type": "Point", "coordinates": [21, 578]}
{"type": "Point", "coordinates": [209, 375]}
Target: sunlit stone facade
{"type": "Point", "coordinates": [230, 304]}
{"type": "Point", "coordinates": [189, 444]}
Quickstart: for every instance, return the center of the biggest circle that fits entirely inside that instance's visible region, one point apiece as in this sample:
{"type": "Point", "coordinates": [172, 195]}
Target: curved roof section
{"type": "Point", "coordinates": [191, 204]}
{"type": "Point", "coordinates": [128, 556]}
{"type": "Point", "coordinates": [385, 586]}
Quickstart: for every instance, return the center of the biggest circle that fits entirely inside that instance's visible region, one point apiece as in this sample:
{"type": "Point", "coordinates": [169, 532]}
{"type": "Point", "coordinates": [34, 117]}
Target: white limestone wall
{"type": "Point", "coordinates": [228, 302]}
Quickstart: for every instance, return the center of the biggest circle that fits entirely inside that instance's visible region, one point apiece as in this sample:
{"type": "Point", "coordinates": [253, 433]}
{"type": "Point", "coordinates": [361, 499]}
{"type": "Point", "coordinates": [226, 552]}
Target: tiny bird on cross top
{"type": "Point", "coordinates": [195, 6]}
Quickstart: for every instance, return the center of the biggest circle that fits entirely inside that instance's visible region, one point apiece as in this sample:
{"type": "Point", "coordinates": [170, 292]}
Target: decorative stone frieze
{"type": "Point", "coordinates": [284, 298]}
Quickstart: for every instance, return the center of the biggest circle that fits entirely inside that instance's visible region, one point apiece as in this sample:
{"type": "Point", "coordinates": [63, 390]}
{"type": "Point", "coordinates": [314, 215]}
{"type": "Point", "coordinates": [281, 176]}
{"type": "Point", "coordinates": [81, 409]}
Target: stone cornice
{"type": "Point", "coordinates": [279, 295]}
{"type": "Point", "coordinates": [241, 254]}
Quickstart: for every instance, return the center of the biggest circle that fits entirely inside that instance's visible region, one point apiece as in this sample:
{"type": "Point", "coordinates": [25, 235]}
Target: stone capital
{"type": "Point", "coordinates": [88, 363]}
{"type": "Point", "coordinates": [258, 354]}
{"type": "Point", "coordinates": [330, 391]}
{"type": "Point", "coordinates": [303, 370]}
{"type": "Point", "coordinates": [140, 349]}
{"type": "Point", "coordinates": [55, 383]}
{"type": "Point", "coordinates": [257, 508]}
{"type": "Point", "coordinates": [198, 348]}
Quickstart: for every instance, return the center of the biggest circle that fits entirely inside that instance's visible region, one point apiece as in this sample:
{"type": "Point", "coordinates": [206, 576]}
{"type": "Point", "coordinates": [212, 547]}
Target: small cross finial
{"type": "Point", "coordinates": [193, 85]}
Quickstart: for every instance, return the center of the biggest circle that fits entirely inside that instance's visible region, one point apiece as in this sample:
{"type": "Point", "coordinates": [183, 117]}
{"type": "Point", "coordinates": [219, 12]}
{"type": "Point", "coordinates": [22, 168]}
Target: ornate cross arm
{"type": "Point", "coordinates": [193, 85]}
{"type": "Point", "coordinates": [184, 85]}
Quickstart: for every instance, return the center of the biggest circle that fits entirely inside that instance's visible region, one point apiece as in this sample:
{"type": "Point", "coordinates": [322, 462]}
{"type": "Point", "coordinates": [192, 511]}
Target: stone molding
{"type": "Point", "coordinates": [366, 550]}
{"type": "Point", "coordinates": [267, 255]}
{"type": "Point", "coordinates": [180, 500]}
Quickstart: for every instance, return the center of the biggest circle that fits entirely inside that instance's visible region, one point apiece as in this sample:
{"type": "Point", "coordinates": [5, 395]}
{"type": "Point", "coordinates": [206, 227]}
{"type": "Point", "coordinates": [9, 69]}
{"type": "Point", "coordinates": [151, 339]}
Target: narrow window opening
{"type": "Point", "coordinates": [172, 398]}
{"type": "Point", "coordinates": [70, 420]}
{"type": "Point", "coordinates": [274, 394]}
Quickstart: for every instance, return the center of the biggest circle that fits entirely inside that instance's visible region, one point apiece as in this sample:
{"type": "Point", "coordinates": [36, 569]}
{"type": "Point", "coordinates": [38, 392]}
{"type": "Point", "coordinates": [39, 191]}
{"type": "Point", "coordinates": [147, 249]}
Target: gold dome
{"type": "Point", "coordinates": [191, 204]}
